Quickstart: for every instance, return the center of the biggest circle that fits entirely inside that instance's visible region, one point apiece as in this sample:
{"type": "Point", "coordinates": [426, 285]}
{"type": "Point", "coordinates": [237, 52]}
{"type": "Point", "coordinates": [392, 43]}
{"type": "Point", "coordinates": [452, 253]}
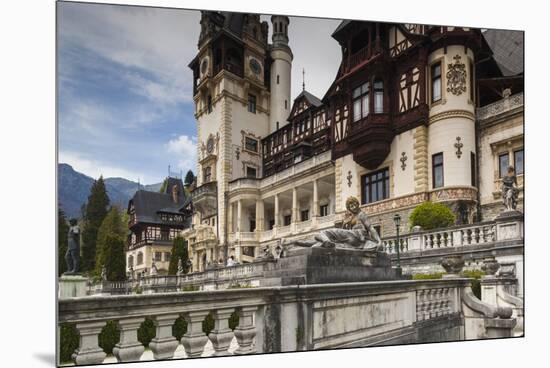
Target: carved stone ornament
{"type": "Point", "coordinates": [453, 264]}
{"type": "Point", "coordinates": [458, 146]}
{"type": "Point", "coordinates": [349, 177]}
{"type": "Point", "coordinates": [403, 159]}
{"type": "Point", "coordinates": [456, 77]}
{"type": "Point", "coordinates": [490, 266]}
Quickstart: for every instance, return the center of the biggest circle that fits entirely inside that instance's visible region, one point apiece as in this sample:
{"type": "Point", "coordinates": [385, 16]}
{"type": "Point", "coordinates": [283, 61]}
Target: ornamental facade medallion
{"type": "Point", "coordinates": [456, 77]}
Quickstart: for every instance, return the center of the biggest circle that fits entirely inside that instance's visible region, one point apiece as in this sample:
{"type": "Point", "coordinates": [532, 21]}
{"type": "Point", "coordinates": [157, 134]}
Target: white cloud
{"type": "Point", "coordinates": [185, 148]}
{"type": "Point", "coordinates": [95, 168]}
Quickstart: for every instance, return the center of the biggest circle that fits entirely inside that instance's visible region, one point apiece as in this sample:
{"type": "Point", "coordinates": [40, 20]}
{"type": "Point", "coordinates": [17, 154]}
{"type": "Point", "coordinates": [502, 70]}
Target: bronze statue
{"type": "Point", "coordinates": [510, 190]}
{"type": "Point", "coordinates": [72, 256]}
{"type": "Point", "coordinates": [356, 232]}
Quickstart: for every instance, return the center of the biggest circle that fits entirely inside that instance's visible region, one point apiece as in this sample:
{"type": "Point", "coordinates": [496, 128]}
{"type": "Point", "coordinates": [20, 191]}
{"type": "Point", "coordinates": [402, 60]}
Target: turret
{"type": "Point", "coordinates": [280, 73]}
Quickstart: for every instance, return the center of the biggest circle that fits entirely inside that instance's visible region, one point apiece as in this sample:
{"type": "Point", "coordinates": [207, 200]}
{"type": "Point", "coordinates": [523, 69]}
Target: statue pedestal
{"type": "Point", "coordinates": [71, 286]}
{"type": "Point", "coordinates": [303, 266]}
{"type": "Point", "coordinates": [509, 225]}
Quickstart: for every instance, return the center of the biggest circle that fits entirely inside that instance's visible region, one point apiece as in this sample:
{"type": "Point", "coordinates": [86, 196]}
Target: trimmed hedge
{"type": "Point", "coordinates": [68, 342]}
{"type": "Point", "coordinates": [427, 276]}
{"type": "Point", "coordinates": [146, 332]}
{"type": "Point", "coordinates": [431, 215]}
{"type": "Point", "coordinates": [109, 337]}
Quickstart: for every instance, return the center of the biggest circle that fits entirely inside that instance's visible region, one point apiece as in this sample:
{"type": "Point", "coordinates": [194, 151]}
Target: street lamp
{"type": "Point", "coordinates": [397, 221]}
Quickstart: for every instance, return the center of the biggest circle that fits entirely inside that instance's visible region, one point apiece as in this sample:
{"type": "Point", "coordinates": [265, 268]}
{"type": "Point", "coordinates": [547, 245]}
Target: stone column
{"type": "Point", "coordinates": [246, 330]}
{"type": "Point", "coordinates": [294, 205]}
{"type": "Point", "coordinates": [129, 349]}
{"type": "Point", "coordinates": [194, 339]}
{"type": "Point", "coordinates": [230, 218]}
{"type": "Point", "coordinates": [88, 351]}
{"type": "Point", "coordinates": [276, 211]}
{"type": "Point", "coordinates": [315, 209]}
{"type": "Point", "coordinates": [221, 335]}
{"type": "Point", "coordinates": [239, 215]}
{"type": "Point", "coordinates": [164, 344]}
{"type": "Point", "coordinates": [259, 215]}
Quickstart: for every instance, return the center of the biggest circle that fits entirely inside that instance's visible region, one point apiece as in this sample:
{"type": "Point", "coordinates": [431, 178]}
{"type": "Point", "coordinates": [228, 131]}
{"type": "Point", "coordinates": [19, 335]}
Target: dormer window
{"type": "Point", "coordinates": [378, 97]}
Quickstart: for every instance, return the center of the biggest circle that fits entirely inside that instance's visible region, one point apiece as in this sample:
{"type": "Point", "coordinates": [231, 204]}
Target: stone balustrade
{"type": "Point", "coordinates": [303, 225]}
{"type": "Point", "coordinates": [496, 108]}
{"type": "Point", "coordinates": [328, 316]}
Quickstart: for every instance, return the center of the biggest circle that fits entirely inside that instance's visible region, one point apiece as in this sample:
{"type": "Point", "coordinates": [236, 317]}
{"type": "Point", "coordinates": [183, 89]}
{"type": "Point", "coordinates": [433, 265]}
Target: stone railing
{"type": "Point", "coordinates": [283, 230]}
{"type": "Point", "coordinates": [456, 236]}
{"type": "Point", "coordinates": [244, 183]}
{"type": "Point", "coordinates": [499, 107]}
{"type": "Point", "coordinates": [326, 219]}
{"type": "Point", "coordinates": [303, 225]}
{"type": "Point", "coordinates": [296, 169]}
{"type": "Point", "coordinates": [266, 235]}
{"type": "Point", "coordinates": [247, 236]}
{"type": "Point", "coordinates": [395, 309]}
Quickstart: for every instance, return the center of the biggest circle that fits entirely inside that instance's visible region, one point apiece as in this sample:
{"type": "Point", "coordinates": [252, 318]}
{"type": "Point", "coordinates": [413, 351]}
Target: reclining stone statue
{"type": "Point", "coordinates": [356, 233]}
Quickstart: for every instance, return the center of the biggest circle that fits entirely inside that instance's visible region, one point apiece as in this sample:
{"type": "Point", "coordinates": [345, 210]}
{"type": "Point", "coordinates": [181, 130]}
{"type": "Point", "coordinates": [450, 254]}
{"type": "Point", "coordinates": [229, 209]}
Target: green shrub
{"type": "Point", "coordinates": [109, 337]}
{"type": "Point", "coordinates": [208, 324]}
{"type": "Point", "coordinates": [427, 276]}
{"type": "Point", "coordinates": [179, 328]}
{"type": "Point", "coordinates": [476, 283]}
{"type": "Point", "coordinates": [431, 215]}
{"type": "Point", "coordinates": [233, 320]}
{"type": "Point", "coordinates": [146, 332]}
{"type": "Point", "coordinates": [68, 342]}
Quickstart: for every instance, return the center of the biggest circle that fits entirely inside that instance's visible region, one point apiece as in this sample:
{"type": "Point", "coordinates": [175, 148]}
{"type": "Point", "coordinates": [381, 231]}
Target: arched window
{"type": "Point", "coordinates": [140, 258]}
{"type": "Point", "coordinates": [131, 261]}
{"type": "Point", "coordinates": [378, 96]}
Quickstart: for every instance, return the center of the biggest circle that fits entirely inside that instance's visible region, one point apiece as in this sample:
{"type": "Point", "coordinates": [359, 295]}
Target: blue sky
{"type": "Point", "coordinates": [125, 105]}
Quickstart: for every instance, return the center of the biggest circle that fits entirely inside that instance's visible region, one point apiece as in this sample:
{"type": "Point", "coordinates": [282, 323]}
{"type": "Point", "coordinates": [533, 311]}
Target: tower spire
{"type": "Point", "coordinates": [303, 79]}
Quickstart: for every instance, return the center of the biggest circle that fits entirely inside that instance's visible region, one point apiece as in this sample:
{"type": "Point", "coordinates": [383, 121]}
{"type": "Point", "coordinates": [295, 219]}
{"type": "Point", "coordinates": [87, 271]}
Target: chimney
{"type": "Point", "coordinates": [175, 193]}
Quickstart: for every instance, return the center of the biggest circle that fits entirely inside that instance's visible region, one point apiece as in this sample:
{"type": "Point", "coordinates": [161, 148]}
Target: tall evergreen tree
{"type": "Point", "coordinates": [179, 251]}
{"type": "Point", "coordinates": [95, 212]}
{"type": "Point", "coordinates": [189, 178]}
{"type": "Point", "coordinates": [114, 227]}
{"type": "Point", "coordinates": [62, 241]}
{"type": "Point", "coordinates": [115, 258]}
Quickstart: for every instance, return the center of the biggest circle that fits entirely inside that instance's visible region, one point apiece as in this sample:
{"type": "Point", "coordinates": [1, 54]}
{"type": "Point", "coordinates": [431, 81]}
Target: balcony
{"type": "Point", "coordinates": [370, 139]}
{"type": "Point", "coordinates": [205, 199]}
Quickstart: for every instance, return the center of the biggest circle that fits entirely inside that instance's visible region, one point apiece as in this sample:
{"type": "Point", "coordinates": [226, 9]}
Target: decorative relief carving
{"type": "Point", "coordinates": [237, 153]}
{"type": "Point", "coordinates": [456, 77]}
{"type": "Point", "coordinates": [349, 177]}
{"type": "Point", "coordinates": [451, 114]}
{"type": "Point", "coordinates": [458, 146]}
{"type": "Point", "coordinates": [403, 159]}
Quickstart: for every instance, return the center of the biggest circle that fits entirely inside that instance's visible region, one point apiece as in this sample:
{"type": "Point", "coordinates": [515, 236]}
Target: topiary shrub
{"type": "Point", "coordinates": [109, 337]}
{"type": "Point", "coordinates": [476, 283]}
{"type": "Point", "coordinates": [179, 328]}
{"type": "Point", "coordinates": [68, 342]}
{"type": "Point", "coordinates": [233, 320]}
{"type": "Point", "coordinates": [431, 215]}
{"type": "Point", "coordinates": [146, 332]}
{"type": "Point", "coordinates": [208, 324]}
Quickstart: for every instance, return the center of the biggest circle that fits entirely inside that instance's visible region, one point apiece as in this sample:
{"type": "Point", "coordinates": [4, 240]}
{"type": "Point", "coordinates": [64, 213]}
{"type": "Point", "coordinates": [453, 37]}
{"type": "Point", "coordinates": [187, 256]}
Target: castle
{"type": "Point", "coordinates": [416, 113]}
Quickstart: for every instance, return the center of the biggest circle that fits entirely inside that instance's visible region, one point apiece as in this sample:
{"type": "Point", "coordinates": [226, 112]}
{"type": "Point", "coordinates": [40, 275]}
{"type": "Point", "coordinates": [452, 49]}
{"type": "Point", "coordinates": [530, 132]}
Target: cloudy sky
{"type": "Point", "coordinates": [125, 91]}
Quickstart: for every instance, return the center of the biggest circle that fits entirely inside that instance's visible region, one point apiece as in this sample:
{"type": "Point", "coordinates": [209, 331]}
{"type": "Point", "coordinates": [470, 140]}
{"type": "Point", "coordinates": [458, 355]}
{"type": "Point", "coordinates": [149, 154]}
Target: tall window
{"type": "Point", "coordinates": [304, 215]}
{"type": "Point", "coordinates": [473, 168]}
{"type": "Point", "coordinates": [361, 102]}
{"type": "Point", "coordinates": [323, 210]}
{"type": "Point", "coordinates": [140, 258]}
{"type": "Point", "coordinates": [518, 161]}
{"type": "Point", "coordinates": [207, 174]}
{"type": "Point", "coordinates": [252, 103]}
{"type": "Point", "coordinates": [286, 220]}
{"type": "Point", "coordinates": [158, 256]}
{"type": "Point", "coordinates": [131, 261]}
{"type": "Point", "coordinates": [437, 170]}
{"type": "Point", "coordinates": [375, 186]}
{"type": "Point", "coordinates": [503, 163]}
{"type": "Point", "coordinates": [251, 144]}
{"type": "Point", "coordinates": [436, 82]}
{"type": "Point", "coordinates": [277, 78]}
{"type": "Point", "coordinates": [378, 97]}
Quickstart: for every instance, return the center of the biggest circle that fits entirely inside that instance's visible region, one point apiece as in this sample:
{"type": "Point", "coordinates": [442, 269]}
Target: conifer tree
{"type": "Point", "coordinates": [179, 251]}
{"type": "Point", "coordinates": [62, 241]}
{"type": "Point", "coordinates": [114, 227]}
{"type": "Point", "coordinates": [94, 214]}
{"type": "Point", "coordinates": [115, 258]}
{"type": "Point", "coordinates": [189, 178]}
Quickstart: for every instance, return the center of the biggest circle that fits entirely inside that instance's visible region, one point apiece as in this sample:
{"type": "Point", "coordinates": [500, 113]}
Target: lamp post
{"type": "Point", "coordinates": [397, 221]}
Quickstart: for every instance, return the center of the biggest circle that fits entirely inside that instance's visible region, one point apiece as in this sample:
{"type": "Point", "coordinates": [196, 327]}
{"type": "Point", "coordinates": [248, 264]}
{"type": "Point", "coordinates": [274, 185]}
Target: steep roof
{"type": "Point", "coordinates": [311, 99]}
{"type": "Point", "coordinates": [148, 205]}
{"type": "Point", "coordinates": [507, 47]}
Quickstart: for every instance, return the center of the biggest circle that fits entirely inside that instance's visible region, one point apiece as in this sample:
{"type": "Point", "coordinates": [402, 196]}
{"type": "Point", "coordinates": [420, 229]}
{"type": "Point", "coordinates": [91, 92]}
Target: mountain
{"type": "Point", "coordinates": [74, 188]}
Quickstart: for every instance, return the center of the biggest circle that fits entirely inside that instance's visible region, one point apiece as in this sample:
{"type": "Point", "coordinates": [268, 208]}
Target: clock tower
{"type": "Point", "coordinates": [232, 92]}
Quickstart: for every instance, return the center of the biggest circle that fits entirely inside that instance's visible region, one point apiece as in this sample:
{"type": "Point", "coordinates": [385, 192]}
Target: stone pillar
{"type": "Point", "coordinates": [129, 349]}
{"type": "Point", "coordinates": [499, 327]}
{"type": "Point", "coordinates": [276, 211]}
{"type": "Point", "coordinates": [239, 215]}
{"type": "Point", "coordinates": [221, 335]}
{"type": "Point", "coordinates": [294, 205]}
{"type": "Point", "coordinates": [315, 209]}
{"type": "Point", "coordinates": [194, 339]}
{"type": "Point", "coordinates": [246, 330]}
{"type": "Point", "coordinates": [259, 215]}
{"type": "Point", "coordinates": [88, 351]}
{"type": "Point", "coordinates": [230, 218]}
{"type": "Point", "coordinates": [164, 344]}
{"type": "Point", "coordinates": [71, 286]}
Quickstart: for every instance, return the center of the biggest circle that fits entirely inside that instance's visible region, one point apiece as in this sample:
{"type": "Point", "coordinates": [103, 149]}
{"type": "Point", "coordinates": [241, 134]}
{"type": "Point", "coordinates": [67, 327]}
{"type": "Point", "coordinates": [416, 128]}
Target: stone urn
{"type": "Point", "coordinates": [452, 265]}
{"type": "Point", "coordinates": [490, 266]}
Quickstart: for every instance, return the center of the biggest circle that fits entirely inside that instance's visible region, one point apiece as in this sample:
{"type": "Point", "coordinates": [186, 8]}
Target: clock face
{"type": "Point", "coordinates": [255, 66]}
{"type": "Point", "coordinates": [204, 66]}
{"type": "Point", "coordinates": [210, 145]}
